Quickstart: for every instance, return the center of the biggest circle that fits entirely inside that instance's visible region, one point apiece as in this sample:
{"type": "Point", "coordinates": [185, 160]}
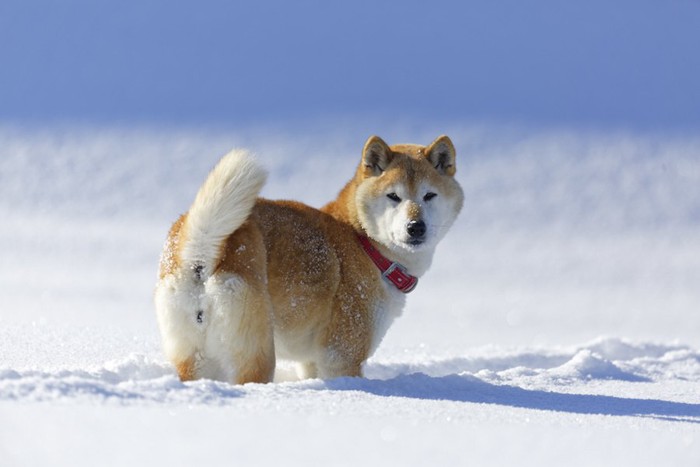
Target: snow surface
{"type": "Point", "coordinates": [559, 324]}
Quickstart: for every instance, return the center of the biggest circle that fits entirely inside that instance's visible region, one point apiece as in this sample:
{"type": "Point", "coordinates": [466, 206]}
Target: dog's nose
{"type": "Point", "coordinates": [416, 229]}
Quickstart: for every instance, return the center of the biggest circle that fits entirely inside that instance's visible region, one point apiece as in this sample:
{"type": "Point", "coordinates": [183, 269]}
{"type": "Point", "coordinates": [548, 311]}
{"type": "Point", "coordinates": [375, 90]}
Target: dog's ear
{"type": "Point", "coordinates": [441, 154]}
{"type": "Point", "coordinates": [376, 156]}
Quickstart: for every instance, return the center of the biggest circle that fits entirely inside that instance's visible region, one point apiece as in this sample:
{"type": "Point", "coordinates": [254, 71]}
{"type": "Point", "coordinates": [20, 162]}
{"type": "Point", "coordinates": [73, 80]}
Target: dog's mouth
{"type": "Point", "coordinates": [413, 244]}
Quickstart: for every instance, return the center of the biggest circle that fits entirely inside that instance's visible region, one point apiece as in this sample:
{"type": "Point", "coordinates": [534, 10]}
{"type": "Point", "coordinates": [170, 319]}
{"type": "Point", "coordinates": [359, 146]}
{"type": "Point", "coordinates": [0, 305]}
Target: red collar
{"type": "Point", "coordinates": [391, 271]}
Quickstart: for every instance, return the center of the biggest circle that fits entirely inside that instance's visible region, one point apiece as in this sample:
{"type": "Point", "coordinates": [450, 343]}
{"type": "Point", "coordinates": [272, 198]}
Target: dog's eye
{"type": "Point", "coordinates": [429, 195]}
{"type": "Point", "coordinates": [394, 197]}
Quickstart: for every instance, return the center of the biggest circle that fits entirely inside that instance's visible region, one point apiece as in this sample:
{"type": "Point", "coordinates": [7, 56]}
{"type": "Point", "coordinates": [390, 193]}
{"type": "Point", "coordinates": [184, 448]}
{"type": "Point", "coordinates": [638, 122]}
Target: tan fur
{"type": "Point", "coordinates": [244, 256]}
{"type": "Point", "coordinates": [306, 265]}
{"type": "Point", "coordinates": [186, 369]}
{"type": "Point", "coordinates": [315, 269]}
{"type": "Point", "coordinates": [170, 260]}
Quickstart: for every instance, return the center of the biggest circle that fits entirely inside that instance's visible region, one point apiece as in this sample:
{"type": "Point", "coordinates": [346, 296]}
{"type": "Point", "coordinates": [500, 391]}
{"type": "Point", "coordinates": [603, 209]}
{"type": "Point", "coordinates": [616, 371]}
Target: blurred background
{"type": "Point", "coordinates": [626, 64]}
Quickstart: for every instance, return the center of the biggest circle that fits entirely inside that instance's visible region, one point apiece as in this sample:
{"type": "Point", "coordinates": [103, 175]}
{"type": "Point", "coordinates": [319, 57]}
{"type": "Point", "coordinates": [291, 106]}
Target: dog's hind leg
{"type": "Point", "coordinates": [239, 329]}
{"type": "Point", "coordinates": [186, 369]}
{"type": "Point", "coordinates": [178, 307]}
{"type": "Point", "coordinates": [259, 369]}
{"type": "Point", "coordinates": [257, 363]}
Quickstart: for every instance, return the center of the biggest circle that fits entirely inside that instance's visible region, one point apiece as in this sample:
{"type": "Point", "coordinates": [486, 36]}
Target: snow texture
{"type": "Point", "coordinates": [557, 326]}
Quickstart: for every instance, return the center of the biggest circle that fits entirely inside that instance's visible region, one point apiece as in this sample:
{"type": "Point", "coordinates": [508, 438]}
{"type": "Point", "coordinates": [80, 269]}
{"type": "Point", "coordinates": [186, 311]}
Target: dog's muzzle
{"type": "Point", "coordinates": [416, 231]}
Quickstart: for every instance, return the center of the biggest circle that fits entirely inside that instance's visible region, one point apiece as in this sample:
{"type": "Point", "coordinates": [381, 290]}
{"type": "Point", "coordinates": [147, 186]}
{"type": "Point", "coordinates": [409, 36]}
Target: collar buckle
{"type": "Point", "coordinates": [391, 271]}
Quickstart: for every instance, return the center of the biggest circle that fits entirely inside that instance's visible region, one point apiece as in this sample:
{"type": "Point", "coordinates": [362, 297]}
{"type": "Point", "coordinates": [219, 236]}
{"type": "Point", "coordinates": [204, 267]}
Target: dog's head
{"type": "Point", "coordinates": [407, 197]}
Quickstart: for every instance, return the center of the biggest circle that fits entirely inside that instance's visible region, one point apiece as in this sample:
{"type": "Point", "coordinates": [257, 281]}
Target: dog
{"type": "Point", "coordinates": [245, 280]}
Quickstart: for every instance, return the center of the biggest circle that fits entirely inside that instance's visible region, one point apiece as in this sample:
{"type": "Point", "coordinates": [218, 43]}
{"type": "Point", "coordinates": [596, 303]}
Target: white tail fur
{"type": "Point", "coordinates": [222, 205]}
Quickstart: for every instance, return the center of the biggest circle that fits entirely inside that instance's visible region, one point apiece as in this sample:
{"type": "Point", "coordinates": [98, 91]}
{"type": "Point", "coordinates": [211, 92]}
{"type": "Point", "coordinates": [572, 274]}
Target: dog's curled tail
{"type": "Point", "coordinates": [222, 205]}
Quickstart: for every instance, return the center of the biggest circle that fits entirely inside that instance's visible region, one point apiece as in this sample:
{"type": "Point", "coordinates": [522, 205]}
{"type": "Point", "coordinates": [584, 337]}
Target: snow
{"type": "Point", "coordinates": [558, 324]}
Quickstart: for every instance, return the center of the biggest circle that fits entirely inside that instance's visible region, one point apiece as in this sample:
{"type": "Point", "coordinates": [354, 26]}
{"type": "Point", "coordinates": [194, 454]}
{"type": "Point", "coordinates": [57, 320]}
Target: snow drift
{"type": "Point", "coordinates": [500, 356]}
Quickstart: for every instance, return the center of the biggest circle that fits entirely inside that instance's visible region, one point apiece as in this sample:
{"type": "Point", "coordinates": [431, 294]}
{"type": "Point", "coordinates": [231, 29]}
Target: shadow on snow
{"type": "Point", "coordinates": [461, 388]}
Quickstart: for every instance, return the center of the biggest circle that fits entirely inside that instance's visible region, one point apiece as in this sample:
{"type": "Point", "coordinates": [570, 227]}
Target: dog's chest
{"type": "Point", "coordinates": [385, 312]}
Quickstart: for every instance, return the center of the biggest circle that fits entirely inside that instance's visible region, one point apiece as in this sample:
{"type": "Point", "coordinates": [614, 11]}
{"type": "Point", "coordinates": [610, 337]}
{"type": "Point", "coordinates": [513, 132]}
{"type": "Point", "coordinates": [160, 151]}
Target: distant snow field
{"type": "Point", "coordinates": [558, 325]}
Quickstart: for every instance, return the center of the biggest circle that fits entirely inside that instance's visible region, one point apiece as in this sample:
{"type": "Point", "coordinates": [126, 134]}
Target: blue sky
{"type": "Point", "coordinates": [594, 63]}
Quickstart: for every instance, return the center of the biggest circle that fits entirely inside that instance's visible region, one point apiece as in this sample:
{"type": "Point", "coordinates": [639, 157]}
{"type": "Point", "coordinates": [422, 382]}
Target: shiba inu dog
{"type": "Point", "coordinates": [244, 280]}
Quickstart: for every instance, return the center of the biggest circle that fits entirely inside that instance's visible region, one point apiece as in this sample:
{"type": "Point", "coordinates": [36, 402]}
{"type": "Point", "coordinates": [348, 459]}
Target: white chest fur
{"type": "Point", "coordinates": [386, 312]}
